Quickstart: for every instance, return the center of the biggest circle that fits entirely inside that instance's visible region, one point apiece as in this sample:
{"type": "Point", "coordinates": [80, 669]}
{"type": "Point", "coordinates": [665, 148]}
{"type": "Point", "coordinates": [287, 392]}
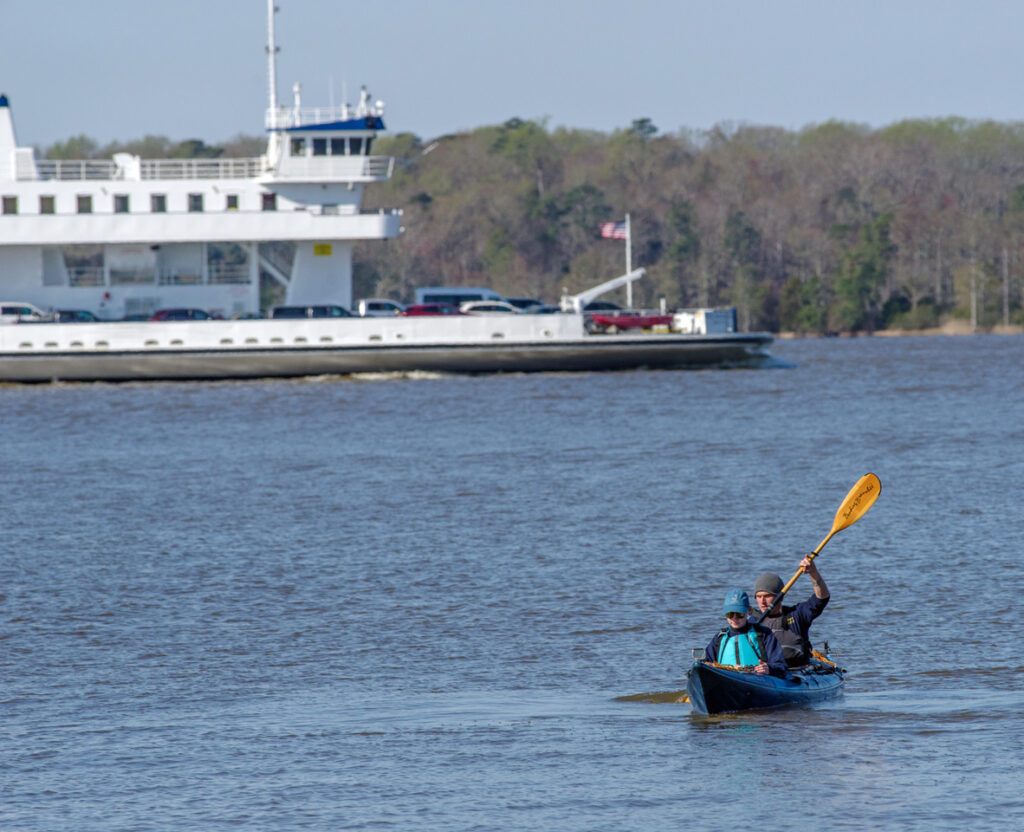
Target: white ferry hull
{"type": "Point", "coordinates": [219, 349]}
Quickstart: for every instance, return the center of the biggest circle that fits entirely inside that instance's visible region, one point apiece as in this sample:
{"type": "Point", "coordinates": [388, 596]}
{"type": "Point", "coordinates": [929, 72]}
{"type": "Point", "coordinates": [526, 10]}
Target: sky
{"type": "Point", "coordinates": [123, 69]}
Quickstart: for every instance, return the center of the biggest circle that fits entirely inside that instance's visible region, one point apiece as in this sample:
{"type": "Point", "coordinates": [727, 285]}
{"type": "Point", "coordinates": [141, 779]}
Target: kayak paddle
{"type": "Point", "coordinates": [856, 504]}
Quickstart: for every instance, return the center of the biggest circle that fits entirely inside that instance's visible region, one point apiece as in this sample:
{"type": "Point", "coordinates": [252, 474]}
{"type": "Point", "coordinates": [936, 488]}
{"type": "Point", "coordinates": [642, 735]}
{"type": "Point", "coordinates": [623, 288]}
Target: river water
{"type": "Point", "coordinates": [412, 603]}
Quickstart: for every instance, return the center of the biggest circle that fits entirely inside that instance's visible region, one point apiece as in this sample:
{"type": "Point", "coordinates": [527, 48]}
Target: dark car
{"type": "Point", "coordinates": [422, 309]}
{"type": "Point", "coordinates": [322, 311]}
{"type": "Point", "coordinates": [543, 309]}
{"type": "Point", "coordinates": [526, 304]}
{"type": "Point", "coordinates": [181, 315]}
{"type": "Point", "coordinates": [601, 306]}
{"type": "Point", "coordinates": [74, 316]}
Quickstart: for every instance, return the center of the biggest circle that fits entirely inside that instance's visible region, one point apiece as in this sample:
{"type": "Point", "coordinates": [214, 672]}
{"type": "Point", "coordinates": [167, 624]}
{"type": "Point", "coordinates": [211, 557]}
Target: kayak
{"type": "Point", "coordinates": [715, 688]}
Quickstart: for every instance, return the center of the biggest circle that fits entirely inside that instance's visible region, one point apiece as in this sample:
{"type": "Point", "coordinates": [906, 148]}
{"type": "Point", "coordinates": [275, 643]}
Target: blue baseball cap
{"type": "Point", "coordinates": [736, 601]}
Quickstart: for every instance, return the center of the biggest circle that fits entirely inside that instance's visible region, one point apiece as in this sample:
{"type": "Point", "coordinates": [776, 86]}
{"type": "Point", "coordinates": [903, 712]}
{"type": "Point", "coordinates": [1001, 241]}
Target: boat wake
{"type": "Point", "coordinates": [400, 375]}
{"type": "Point", "coordinates": [663, 697]}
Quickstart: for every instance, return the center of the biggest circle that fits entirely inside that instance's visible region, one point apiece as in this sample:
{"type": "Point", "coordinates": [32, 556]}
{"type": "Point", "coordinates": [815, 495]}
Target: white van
{"type": "Point", "coordinates": [17, 312]}
{"type": "Point", "coordinates": [455, 295]}
{"type": "Point", "coordinates": [378, 308]}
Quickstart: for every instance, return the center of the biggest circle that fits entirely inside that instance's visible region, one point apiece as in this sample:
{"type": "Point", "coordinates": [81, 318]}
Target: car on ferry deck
{"type": "Point", "coordinates": [181, 315]}
{"type": "Point", "coordinates": [488, 307]}
{"type": "Point", "coordinates": [454, 295]}
{"type": "Point", "coordinates": [424, 309]}
{"type": "Point", "coordinates": [75, 316]}
{"type": "Point", "coordinates": [525, 304]}
{"type": "Point", "coordinates": [378, 308]}
{"type": "Point", "coordinates": [602, 306]}
{"type": "Point", "coordinates": [317, 311]}
{"type": "Point", "coordinates": [17, 312]}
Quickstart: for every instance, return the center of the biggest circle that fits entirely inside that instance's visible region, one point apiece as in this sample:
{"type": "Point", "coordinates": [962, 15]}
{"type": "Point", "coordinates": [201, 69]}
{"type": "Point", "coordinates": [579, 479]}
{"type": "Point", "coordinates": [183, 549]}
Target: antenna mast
{"type": "Point", "coordinates": [272, 50]}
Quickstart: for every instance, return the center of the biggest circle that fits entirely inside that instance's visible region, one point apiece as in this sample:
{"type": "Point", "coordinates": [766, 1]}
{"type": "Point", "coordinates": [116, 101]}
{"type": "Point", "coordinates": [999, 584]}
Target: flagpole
{"type": "Point", "coordinates": [629, 265]}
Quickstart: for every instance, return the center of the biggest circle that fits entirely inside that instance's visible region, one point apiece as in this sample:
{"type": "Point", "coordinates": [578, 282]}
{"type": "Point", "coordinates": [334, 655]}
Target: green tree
{"type": "Point", "coordinates": [528, 145]}
{"type": "Point", "coordinates": [684, 249]}
{"type": "Point", "coordinates": [194, 149]}
{"type": "Point", "coordinates": [742, 240]}
{"type": "Point", "coordinates": [77, 147]}
{"type": "Point", "coordinates": [643, 127]}
{"type": "Point", "coordinates": [862, 274]}
{"type": "Point", "coordinates": [499, 254]}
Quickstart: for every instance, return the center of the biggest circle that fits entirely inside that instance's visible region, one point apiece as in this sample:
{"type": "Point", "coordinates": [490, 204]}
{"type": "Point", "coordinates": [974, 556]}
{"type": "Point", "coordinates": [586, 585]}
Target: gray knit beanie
{"type": "Point", "coordinates": [768, 582]}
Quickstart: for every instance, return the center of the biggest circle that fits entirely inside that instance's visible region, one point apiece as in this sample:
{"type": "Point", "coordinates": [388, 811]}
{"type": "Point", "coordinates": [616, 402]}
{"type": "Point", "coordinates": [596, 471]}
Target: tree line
{"type": "Point", "coordinates": [834, 228]}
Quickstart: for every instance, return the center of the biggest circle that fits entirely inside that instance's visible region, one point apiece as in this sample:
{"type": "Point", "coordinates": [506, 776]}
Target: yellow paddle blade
{"type": "Point", "coordinates": [861, 497]}
{"type": "Point", "coordinates": [854, 506]}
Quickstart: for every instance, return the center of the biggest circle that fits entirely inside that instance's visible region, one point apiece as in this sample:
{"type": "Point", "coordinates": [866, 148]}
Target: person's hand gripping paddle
{"type": "Point", "coordinates": [856, 504]}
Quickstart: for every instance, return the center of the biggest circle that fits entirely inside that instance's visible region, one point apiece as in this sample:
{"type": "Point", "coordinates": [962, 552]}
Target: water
{"type": "Point", "coordinates": [411, 603]}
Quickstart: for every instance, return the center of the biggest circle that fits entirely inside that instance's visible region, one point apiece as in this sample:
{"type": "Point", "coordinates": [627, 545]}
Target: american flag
{"type": "Point", "coordinates": [613, 230]}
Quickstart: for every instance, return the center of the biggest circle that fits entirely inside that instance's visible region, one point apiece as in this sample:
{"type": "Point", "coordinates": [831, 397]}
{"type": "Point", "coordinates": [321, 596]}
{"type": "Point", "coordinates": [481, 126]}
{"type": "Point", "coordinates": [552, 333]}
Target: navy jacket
{"type": "Point", "coordinates": [772, 649]}
{"type": "Point", "coordinates": [805, 612]}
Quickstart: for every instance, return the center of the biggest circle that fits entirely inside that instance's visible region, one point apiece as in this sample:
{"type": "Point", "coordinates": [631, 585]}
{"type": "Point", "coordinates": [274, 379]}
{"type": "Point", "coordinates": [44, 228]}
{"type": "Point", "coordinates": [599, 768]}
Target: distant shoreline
{"type": "Point", "coordinates": [948, 328]}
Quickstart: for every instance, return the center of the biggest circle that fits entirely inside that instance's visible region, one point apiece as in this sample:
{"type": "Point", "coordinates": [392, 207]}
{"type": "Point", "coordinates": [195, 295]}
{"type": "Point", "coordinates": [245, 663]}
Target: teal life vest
{"type": "Point", "coordinates": [739, 649]}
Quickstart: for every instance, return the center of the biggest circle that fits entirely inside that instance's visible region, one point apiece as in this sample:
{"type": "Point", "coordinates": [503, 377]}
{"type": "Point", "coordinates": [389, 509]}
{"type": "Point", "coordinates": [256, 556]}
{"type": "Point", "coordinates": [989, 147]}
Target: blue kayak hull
{"type": "Point", "coordinates": [714, 689]}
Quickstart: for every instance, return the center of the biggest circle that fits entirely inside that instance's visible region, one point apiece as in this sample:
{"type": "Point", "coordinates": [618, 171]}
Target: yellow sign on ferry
{"type": "Point", "coordinates": [322, 249]}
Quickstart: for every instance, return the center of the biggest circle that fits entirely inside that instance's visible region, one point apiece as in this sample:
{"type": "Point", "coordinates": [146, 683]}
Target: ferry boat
{"type": "Point", "coordinates": [126, 237]}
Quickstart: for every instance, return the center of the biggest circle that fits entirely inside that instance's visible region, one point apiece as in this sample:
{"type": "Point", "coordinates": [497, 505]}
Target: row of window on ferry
{"type": "Point", "coordinates": [121, 203]}
{"type": "Point", "coordinates": [336, 146]}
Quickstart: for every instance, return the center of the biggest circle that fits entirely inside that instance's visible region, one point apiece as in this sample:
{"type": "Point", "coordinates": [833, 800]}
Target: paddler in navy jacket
{"type": "Point", "coordinates": [791, 625]}
{"type": "Point", "coordinates": [745, 643]}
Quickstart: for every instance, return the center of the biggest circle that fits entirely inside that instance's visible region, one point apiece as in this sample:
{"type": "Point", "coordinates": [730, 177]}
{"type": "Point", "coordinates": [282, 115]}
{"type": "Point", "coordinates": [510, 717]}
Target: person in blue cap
{"type": "Point", "coordinates": [744, 643]}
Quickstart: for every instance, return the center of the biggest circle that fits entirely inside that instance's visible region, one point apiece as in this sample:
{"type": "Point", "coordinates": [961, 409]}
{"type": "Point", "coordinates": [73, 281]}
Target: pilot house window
{"type": "Point", "coordinates": [319, 147]}
{"type": "Point", "coordinates": [85, 203]}
{"type": "Point", "coordinates": [10, 205]}
{"type": "Point", "coordinates": [298, 147]}
{"type": "Point", "coordinates": [120, 203]}
{"type": "Point", "coordinates": [47, 204]}
{"type": "Point", "coordinates": [195, 203]}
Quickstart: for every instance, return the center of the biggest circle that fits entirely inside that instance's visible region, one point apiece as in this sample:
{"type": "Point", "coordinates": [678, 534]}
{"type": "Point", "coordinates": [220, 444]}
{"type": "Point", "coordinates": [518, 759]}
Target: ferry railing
{"type": "Point", "coordinates": [103, 169]}
{"type": "Point", "coordinates": [335, 168]}
{"type": "Point", "coordinates": [286, 117]}
{"type": "Point", "coordinates": [217, 274]}
{"type": "Point", "coordinates": [338, 167]}
{"type": "Point", "coordinates": [380, 167]}
{"type": "Point", "coordinates": [75, 169]}
{"type": "Point", "coordinates": [223, 273]}
{"type": "Point", "coordinates": [176, 278]}
{"type": "Point", "coordinates": [201, 168]}
{"type": "Point", "coordinates": [85, 275]}
{"type": "Point", "coordinates": [129, 277]}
